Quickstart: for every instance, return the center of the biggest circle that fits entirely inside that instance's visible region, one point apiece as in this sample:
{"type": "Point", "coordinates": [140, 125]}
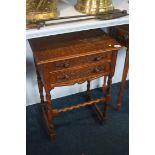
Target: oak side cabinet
{"type": "Point", "coordinates": [72, 58]}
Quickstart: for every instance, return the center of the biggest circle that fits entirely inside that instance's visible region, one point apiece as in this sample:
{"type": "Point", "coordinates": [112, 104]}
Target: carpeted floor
{"type": "Point", "coordinates": [80, 132]}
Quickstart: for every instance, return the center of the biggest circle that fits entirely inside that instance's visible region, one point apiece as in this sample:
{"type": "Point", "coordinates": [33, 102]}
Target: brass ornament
{"type": "Point", "coordinates": [94, 6]}
{"type": "Point", "coordinates": [41, 10]}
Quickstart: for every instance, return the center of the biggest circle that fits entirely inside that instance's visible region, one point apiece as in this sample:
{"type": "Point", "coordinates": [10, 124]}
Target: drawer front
{"type": "Point", "coordinates": [83, 60]}
{"type": "Point", "coordinates": [70, 74]}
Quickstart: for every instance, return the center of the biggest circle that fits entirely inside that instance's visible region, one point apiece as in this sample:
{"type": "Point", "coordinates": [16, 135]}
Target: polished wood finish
{"type": "Point", "coordinates": [73, 58]}
{"type": "Point", "coordinates": [121, 33]}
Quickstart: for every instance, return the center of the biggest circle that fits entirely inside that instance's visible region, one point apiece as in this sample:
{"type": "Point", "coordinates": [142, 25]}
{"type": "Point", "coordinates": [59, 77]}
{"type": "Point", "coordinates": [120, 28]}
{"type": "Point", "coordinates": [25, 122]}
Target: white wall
{"type": "Point", "coordinates": [32, 93]}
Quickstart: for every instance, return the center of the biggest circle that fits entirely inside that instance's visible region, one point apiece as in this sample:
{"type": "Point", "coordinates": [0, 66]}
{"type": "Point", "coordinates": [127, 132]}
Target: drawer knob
{"type": "Point", "coordinates": [66, 65]}
{"type": "Point", "coordinates": [66, 76]}
{"type": "Point", "coordinates": [98, 58]}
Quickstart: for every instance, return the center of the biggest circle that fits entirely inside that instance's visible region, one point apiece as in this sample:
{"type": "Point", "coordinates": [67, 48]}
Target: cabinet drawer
{"type": "Point", "coordinates": [77, 61]}
{"type": "Point", "coordinates": [81, 73]}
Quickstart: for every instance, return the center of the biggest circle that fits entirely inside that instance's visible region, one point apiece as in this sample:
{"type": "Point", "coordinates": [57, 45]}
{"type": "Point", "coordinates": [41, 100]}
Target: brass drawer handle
{"type": "Point", "coordinates": [97, 70]}
{"type": "Point", "coordinates": [66, 65]}
{"type": "Point", "coordinates": [98, 58]}
{"type": "Point", "coordinates": [66, 77]}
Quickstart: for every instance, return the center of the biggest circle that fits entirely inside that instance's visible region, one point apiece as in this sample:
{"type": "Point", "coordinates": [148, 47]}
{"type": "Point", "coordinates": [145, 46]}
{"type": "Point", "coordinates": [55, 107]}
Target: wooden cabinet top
{"type": "Point", "coordinates": [65, 46]}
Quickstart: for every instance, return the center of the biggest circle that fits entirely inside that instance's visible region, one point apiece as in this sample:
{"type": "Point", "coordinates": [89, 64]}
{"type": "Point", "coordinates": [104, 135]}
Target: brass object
{"type": "Point", "coordinates": [116, 13]}
{"type": "Point", "coordinates": [94, 6]}
{"type": "Point", "coordinates": [41, 10]}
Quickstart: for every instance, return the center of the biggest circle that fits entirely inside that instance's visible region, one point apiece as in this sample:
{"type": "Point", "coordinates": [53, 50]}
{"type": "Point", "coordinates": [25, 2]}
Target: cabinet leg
{"type": "Point", "coordinates": [104, 84]}
{"type": "Point", "coordinates": [50, 117]}
{"type": "Point", "coordinates": [40, 86]}
{"type": "Point", "coordinates": [88, 93]}
{"type": "Point", "coordinates": [125, 72]}
{"type": "Point", "coordinates": [107, 97]}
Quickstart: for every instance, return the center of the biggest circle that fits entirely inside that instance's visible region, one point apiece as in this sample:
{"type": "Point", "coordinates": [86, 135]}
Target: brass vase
{"type": "Point", "coordinates": [93, 7]}
{"type": "Point", "coordinates": [41, 10]}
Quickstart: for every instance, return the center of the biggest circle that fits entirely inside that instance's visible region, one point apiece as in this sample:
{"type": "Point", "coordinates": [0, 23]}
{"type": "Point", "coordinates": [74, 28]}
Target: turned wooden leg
{"type": "Point", "coordinates": [125, 72]}
{"type": "Point", "coordinates": [107, 97]}
{"type": "Point", "coordinates": [88, 93]}
{"type": "Point", "coordinates": [50, 116]}
{"type": "Point", "coordinates": [40, 86]}
{"type": "Point", "coordinates": [104, 84]}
